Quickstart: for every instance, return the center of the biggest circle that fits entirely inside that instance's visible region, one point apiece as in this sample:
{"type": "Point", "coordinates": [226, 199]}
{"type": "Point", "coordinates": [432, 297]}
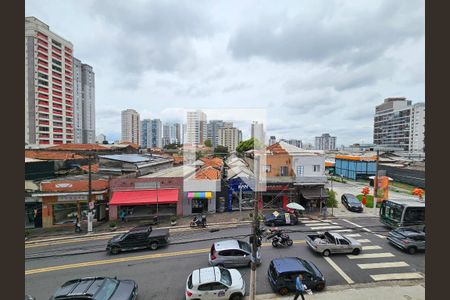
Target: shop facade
{"type": "Point", "coordinates": [200, 196]}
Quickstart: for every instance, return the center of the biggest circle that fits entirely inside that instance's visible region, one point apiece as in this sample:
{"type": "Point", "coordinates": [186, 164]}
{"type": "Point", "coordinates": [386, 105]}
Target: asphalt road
{"type": "Point", "coordinates": [162, 274]}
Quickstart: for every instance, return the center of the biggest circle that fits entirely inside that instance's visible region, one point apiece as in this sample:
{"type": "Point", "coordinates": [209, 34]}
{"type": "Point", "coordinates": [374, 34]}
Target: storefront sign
{"type": "Point", "coordinates": [63, 185]}
{"type": "Point", "coordinates": [207, 195]}
{"type": "Point", "coordinates": [77, 198]}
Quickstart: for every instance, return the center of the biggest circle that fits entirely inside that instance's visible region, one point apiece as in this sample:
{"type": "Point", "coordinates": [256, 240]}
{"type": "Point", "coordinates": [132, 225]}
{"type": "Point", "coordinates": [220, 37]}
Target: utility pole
{"type": "Point", "coordinates": [90, 203]}
{"type": "Point", "coordinates": [255, 228]}
{"type": "Point", "coordinates": [240, 201]}
{"type": "Point", "coordinates": [375, 185]}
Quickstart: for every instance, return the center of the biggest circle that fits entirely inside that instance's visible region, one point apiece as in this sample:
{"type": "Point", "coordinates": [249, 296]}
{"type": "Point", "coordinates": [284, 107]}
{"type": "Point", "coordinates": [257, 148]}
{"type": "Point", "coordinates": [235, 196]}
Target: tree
{"type": "Point", "coordinates": [208, 143]}
{"type": "Point", "coordinates": [249, 144]}
{"type": "Point", "coordinates": [221, 151]}
{"type": "Point", "coordinates": [331, 202]}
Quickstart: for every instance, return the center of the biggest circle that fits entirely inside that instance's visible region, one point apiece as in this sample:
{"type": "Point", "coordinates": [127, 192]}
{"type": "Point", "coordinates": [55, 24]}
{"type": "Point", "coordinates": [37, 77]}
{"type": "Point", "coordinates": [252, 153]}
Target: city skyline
{"type": "Point", "coordinates": [302, 88]}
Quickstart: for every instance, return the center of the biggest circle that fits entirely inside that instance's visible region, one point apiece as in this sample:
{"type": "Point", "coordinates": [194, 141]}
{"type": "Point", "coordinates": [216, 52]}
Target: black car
{"type": "Point", "coordinates": [279, 219]}
{"type": "Point", "coordinates": [352, 203]}
{"type": "Point", "coordinates": [283, 272]}
{"type": "Point", "coordinates": [140, 237]}
{"type": "Point", "coordinates": [104, 288]}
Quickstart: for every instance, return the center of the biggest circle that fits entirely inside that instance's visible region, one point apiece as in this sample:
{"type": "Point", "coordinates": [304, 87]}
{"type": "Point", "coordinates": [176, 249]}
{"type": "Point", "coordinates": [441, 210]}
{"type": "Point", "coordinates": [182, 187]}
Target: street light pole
{"type": "Point", "coordinates": [255, 228]}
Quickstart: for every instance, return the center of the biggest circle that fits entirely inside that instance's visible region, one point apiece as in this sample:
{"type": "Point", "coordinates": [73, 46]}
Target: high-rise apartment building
{"type": "Point", "coordinates": [294, 142]}
{"type": "Point", "coordinates": [257, 131]}
{"type": "Point", "coordinates": [325, 142]}
{"type": "Point", "coordinates": [178, 133]}
{"type": "Point", "coordinates": [77, 102]}
{"type": "Point", "coordinates": [229, 136]}
{"type": "Point", "coordinates": [130, 126]}
{"type": "Point", "coordinates": [213, 131]}
{"type": "Point", "coordinates": [398, 124]}
{"type": "Point", "coordinates": [169, 134]}
{"type": "Point", "coordinates": [196, 128]}
{"type": "Point", "coordinates": [156, 128]}
{"type": "Point", "coordinates": [146, 133]}
{"type": "Point", "coordinates": [49, 95]}
{"type": "Point", "coordinates": [272, 140]}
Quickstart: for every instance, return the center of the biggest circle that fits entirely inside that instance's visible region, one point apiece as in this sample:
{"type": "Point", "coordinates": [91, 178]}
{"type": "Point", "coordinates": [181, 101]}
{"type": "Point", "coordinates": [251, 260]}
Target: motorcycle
{"type": "Point", "coordinates": [280, 239]}
{"type": "Point", "coordinates": [198, 222]}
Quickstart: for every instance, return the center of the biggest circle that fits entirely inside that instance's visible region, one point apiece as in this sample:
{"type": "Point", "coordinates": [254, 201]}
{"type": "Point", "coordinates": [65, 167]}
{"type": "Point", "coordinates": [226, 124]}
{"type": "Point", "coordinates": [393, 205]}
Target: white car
{"type": "Point", "coordinates": [215, 283]}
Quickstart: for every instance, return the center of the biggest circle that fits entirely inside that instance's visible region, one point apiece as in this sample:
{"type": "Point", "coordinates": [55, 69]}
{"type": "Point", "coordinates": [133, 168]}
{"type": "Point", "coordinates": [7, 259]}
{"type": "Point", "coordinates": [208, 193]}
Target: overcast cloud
{"type": "Point", "coordinates": [315, 66]}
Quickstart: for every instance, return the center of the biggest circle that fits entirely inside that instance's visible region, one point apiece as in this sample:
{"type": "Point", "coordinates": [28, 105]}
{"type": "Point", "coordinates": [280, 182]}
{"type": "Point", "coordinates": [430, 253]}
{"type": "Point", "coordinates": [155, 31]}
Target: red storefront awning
{"type": "Point", "coordinates": [144, 197]}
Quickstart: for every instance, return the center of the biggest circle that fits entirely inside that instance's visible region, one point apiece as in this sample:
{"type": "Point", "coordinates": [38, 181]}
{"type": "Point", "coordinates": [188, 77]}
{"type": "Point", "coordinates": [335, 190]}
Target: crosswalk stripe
{"type": "Point", "coordinates": [303, 218]}
{"type": "Point", "coordinates": [339, 270]}
{"type": "Point", "coordinates": [364, 241]}
{"type": "Point", "coordinates": [325, 227]}
{"type": "Point", "coordinates": [312, 221]}
{"type": "Point", "coordinates": [342, 230]}
{"type": "Point", "coordinates": [396, 276]}
{"type": "Point", "coordinates": [371, 247]}
{"type": "Point", "coordinates": [371, 255]}
{"type": "Point", "coordinates": [383, 265]}
{"type": "Point", "coordinates": [380, 236]}
{"type": "Point", "coordinates": [352, 223]}
{"type": "Point", "coordinates": [368, 230]}
{"type": "Point", "coordinates": [353, 235]}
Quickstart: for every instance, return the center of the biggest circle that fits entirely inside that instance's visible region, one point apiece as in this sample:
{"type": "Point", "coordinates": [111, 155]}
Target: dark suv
{"type": "Point", "coordinates": [140, 237]}
{"type": "Point", "coordinates": [352, 203]}
{"type": "Point", "coordinates": [283, 273]}
{"type": "Point", "coordinates": [407, 239]}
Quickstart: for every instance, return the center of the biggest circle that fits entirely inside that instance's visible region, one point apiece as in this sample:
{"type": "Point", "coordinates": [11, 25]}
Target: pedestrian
{"type": "Point", "coordinates": [77, 225]}
{"type": "Point", "coordinates": [299, 288]}
{"type": "Point", "coordinates": [203, 220]}
{"type": "Point", "coordinates": [122, 215]}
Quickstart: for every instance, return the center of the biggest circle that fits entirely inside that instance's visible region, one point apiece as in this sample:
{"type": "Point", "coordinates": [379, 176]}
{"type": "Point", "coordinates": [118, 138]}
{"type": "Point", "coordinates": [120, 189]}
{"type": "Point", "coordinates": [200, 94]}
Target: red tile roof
{"type": "Point", "coordinates": [51, 155]}
{"type": "Point", "coordinates": [74, 185]}
{"type": "Point", "coordinates": [208, 173]}
{"type": "Point", "coordinates": [276, 149]}
{"type": "Point", "coordinates": [94, 168]}
{"type": "Point", "coordinates": [78, 147]}
{"type": "Point", "coordinates": [213, 162]}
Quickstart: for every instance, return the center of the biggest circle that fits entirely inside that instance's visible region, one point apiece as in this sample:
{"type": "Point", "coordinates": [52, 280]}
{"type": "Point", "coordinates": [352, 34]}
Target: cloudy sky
{"type": "Point", "coordinates": [313, 66]}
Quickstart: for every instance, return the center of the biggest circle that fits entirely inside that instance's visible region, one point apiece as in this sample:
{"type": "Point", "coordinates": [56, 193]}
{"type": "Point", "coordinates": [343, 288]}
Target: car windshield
{"type": "Point", "coordinates": [244, 246]}
{"type": "Point", "coordinates": [225, 277]}
{"type": "Point", "coordinates": [107, 289]}
{"type": "Point", "coordinates": [352, 200]}
{"type": "Point", "coordinates": [307, 265]}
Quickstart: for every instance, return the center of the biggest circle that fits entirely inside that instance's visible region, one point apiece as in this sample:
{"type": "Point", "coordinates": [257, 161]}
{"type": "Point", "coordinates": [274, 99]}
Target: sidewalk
{"type": "Point", "coordinates": [366, 292]}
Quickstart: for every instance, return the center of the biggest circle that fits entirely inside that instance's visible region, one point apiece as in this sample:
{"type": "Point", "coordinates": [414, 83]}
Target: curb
{"type": "Point", "coordinates": [121, 231]}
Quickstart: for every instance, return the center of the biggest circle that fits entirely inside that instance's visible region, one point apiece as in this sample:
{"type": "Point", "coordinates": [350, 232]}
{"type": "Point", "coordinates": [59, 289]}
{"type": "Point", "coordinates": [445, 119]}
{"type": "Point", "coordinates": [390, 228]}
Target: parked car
{"type": "Point", "coordinates": [331, 242]}
{"type": "Point", "coordinates": [407, 239]}
{"type": "Point", "coordinates": [215, 283]}
{"type": "Point", "coordinates": [140, 237]}
{"type": "Point", "coordinates": [280, 218]}
{"type": "Point", "coordinates": [351, 203]}
{"type": "Point", "coordinates": [97, 288]}
{"type": "Point", "coordinates": [232, 253]}
{"type": "Point", "coordinates": [282, 274]}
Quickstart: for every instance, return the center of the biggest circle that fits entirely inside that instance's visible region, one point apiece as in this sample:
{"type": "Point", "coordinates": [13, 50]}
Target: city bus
{"type": "Point", "coordinates": [403, 213]}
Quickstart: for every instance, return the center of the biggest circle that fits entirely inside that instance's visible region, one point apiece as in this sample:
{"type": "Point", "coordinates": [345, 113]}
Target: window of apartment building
{"type": "Point", "coordinates": [300, 170]}
{"type": "Point", "coordinates": [43, 128]}
{"type": "Point", "coordinates": [284, 171]}
{"type": "Point", "coordinates": [43, 82]}
{"type": "Point", "coordinates": [56, 68]}
{"type": "Point", "coordinates": [268, 168]}
{"type": "Point", "coordinates": [40, 75]}
{"type": "Point", "coordinates": [316, 168]}
{"type": "Point", "coordinates": [56, 62]}
{"type": "Point", "coordinates": [56, 43]}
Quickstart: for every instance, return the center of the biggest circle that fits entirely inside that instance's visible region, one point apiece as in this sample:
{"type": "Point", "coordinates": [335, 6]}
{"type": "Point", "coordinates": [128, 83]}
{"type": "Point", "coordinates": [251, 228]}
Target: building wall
{"type": "Point", "coordinates": [408, 176]}
{"type": "Point", "coordinates": [229, 137]}
{"type": "Point", "coordinates": [213, 131]}
{"type": "Point", "coordinates": [130, 126]}
{"type": "Point", "coordinates": [354, 169]}
{"type": "Point", "coordinates": [49, 77]}
{"type": "Point", "coordinates": [276, 162]}
{"type": "Point", "coordinates": [308, 163]}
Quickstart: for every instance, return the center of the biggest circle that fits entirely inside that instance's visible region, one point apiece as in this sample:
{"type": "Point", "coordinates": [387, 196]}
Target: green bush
{"type": "Point", "coordinates": [369, 200]}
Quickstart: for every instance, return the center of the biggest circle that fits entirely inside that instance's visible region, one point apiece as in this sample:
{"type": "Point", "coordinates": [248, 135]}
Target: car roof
{"type": "Point", "coordinates": [409, 231]}
{"type": "Point", "coordinates": [205, 275]}
{"type": "Point", "coordinates": [141, 228]}
{"type": "Point", "coordinates": [226, 244]}
{"type": "Point", "coordinates": [80, 287]}
{"type": "Point", "coordinates": [288, 264]}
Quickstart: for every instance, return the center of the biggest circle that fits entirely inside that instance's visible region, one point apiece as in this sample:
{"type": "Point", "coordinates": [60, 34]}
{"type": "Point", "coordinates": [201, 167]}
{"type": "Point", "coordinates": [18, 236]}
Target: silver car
{"type": "Point", "coordinates": [232, 253]}
{"type": "Point", "coordinates": [408, 239]}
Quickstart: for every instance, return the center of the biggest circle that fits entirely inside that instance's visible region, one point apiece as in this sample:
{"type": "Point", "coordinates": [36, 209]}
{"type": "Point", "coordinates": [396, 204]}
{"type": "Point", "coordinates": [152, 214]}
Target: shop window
{"type": "Point", "coordinates": [284, 171]}
{"type": "Point", "coordinates": [64, 213]}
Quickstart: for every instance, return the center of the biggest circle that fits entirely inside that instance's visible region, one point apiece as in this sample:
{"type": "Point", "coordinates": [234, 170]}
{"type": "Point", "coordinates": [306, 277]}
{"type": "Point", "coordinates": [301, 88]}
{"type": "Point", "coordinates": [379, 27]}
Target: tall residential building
{"type": "Point", "coordinates": [84, 103]}
{"type": "Point", "coordinates": [196, 129]}
{"type": "Point", "coordinates": [294, 142]}
{"type": "Point", "coordinates": [400, 124]}
{"type": "Point", "coordinates": [325, 142]}
{"type": "Point", "coordinates": [184, 134]}
{"type": "Point", "coordinates": [229, 136]}
{"type": "Point", "coordinates": [178, 133]}
{"type": "Point", "coordinates": [49, 107]}
{"type": "Point", "coordinates": [146, 133]}
{"type": "Point", "coordinates": [257, 131]}
{"type": "Point", "coordinates": [213, 131]}
{"type": "Point", "coordinates": [156, 129]}
{"type": "Point", "coordinates": [169, 134]}
{"type": "Point", "coordinates": [272, 140]}
{"type": "Point", "coordinates": [130, 126]}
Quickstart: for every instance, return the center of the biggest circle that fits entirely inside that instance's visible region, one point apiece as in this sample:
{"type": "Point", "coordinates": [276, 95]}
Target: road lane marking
{"type": "Point", "coordinates": [312, 221]}
{"type": "Point", "coordinates": [371, 248]}
{"type": "Point", "coordinates": [368, 230]}
{"type": "Point", "coordinates": [339, 270]}
{"type": "Point", "coordinates": [383, 265]}
{"type": "Point", "coordinates": [325, 227]}
{"type": "Point", "coordinates": [371, 255]}
{"type": "Point", "coordinates": [129, 258]}
{"type": "Point", "coordinates": [396, 276]}
{"type": "Point", "coordinates": [343, 230]}
{"type": "Point", "coordinates": [353, 235]}
{"type": "Point", "coordinates": [352, 223]}
{"type": "Point", "coordinates": [380, 236]}
{"type": "Point", "coordinates": [363, 241]}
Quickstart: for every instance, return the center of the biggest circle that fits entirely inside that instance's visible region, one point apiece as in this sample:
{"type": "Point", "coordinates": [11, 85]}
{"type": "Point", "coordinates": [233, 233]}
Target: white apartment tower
{"type": "Point", "coordinates": [130, 126]}
{"type": "Point", "coordinates": [196, 128]}
{"type": "Point", "coordinates": [398, 124]}
{"type": "Point", "coordinates": [257, 132]}
{"type": "Point", "coordinates": [49, 95]}
{"type": "Point", "coordinates": [325, 142]}
{"type": "Point", "coordinates": [229, 136]}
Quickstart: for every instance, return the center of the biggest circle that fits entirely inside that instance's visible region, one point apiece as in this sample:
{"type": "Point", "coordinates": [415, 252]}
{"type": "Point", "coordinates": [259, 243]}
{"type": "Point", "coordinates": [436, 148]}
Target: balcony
{"type": "Point", "coordinates": [57, 87]}
{"type": "Point", "coordinates": [42, 109]}
{"type": "Point", "coordinates": [57, 50]}
{"type": "Point", "coordinates": [42, 69]}
{"type": "Point", "coordinates": [69, 126]}
{"type": "Point", "coordinates": [42, 36]}
{"type": "Point", "coordinates": [42, 63]}
{"type": "Point", "coordinates": [56, 56]}
{"type": "Point", "coordinates": [57, 93]}
{"type": "Point", "coordinates": [69, 97]}
{"type": "Point", "coordinates": [57, 130]}
{"type": "Point", "coordinates": [42, 142]}
{"type": "Point", "coordinates": [69, 103]}
{"type": "Point", "coordinates": [43, 56]}
{"type": "Point", "coordinates": [56, 74]}
{"type": "Point", "coordinates": [41, 89]}
{"type": "Point", "coordinates": [57, 112]}
{"type": "Point", "coordinates": [42, 96]}
{"type": "Point", "coordinates": [41, 42]}
{"type": "Point", "coordinates": [44, 123]}
{"type": "Point", "coordinates": [43, 103]}
{"type": "Point", "coordinates": [57, 142]}
{"type": "Point", "coordinates": [310, 180]}
{"type": "Point", "coordinates": [56, 99]}
{"type": "Point", "coordinates": [69, 108]}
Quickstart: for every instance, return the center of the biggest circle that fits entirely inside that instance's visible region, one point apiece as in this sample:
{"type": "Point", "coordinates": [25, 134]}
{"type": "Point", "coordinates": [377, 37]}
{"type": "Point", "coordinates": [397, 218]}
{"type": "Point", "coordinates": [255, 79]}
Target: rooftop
{"type": "Point", "coordinates": [78, 147]}
{"type": "Point", "coordinates": [51, 155]}
{"type": "Point", "coordinates": [181, 171]}
{"type": "Point", "coordinates": [209, 173]}
{"type": "Point", "coordinates": [135, 158]}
